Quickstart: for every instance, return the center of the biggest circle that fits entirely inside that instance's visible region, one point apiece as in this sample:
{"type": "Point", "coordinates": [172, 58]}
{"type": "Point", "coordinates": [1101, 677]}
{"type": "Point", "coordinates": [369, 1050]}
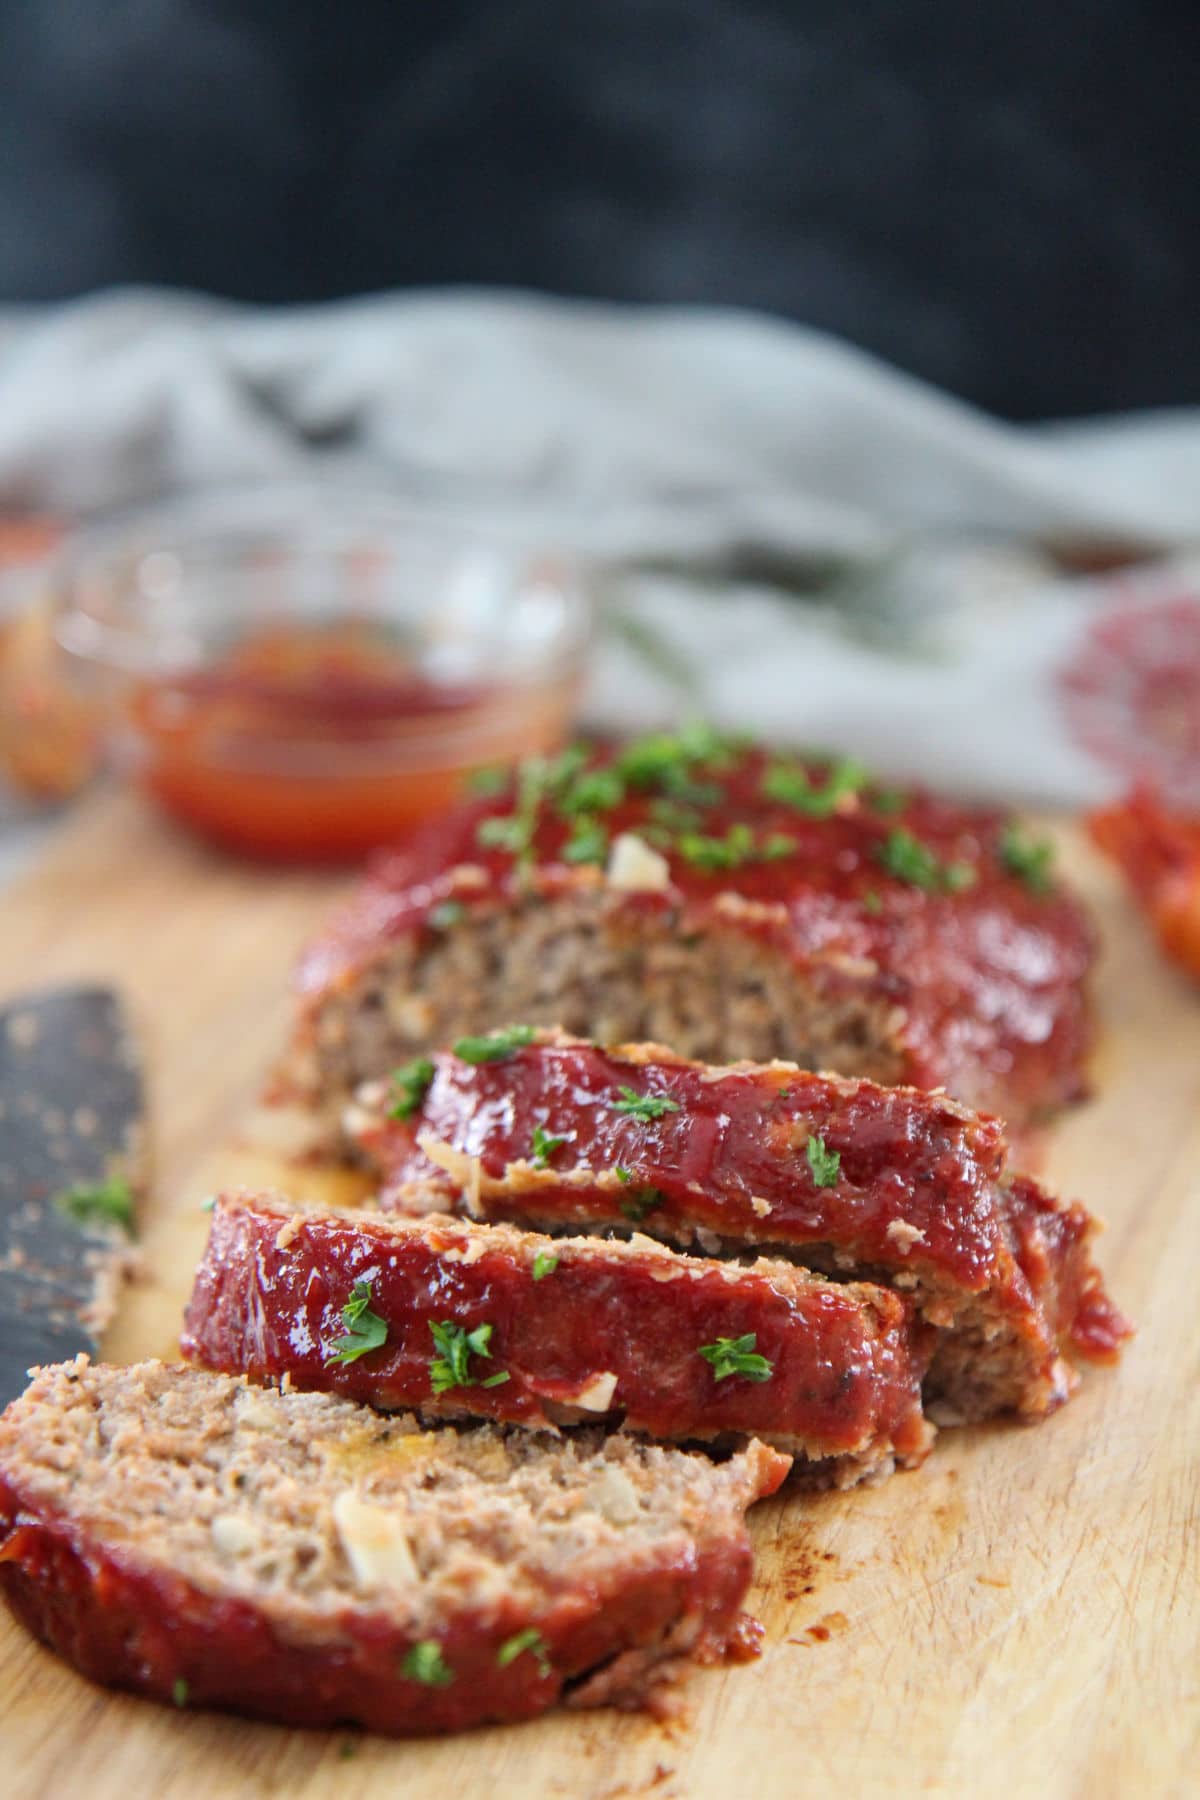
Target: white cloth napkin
{"type": "Point", "coordinates": [718, 464]}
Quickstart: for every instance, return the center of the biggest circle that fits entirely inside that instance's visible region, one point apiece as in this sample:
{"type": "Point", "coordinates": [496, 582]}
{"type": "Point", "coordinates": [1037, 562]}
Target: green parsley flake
{"type": "Point", "coordinates": [487, 784]}
{"type": "Point", "coordinates": [908, 859]}
{"type": "Point", "coordinates": [777, 846]}
{"type": "Point", "coordinates": [365, 1330]}
{"type": "Point", "coordinates": [530, 1639]}
{"type": "Point", "coordinates": [823, 1162]}
{"type": "Point", "coordinates": [644, 1106]}
{"type": "Point", "coordinates": [425, 1663]}
{"type": "Point", "coordinates": [1030, 859]}
{"type": "Point", "coordinates": [544, 1264]}
{"type": "Point", "coordinates": [623, 1175]}
{"type": "Point", "coordinates": [108, 1202]}
{"type": "Point", "coordinates": [410, 1084]}
{"type": "Point", "coordinates": [642, 1201]}
{"type": "Point", "coordinates": [588, 842]}
{"type": "Point", "coordinates": [729, 852]}
{"type": "Point", "coordinates": [504, 832]}
{"type": "Point", "coordinates": [889, 800]}
{"type": "Point", "coordinates": [736, 1356]}
{"type": "Point", "coordinates": [496, 1045]}
{"type": "Point", "coordinates": [544, 1146]}
{"type": "Point", "coordinates": [665, 761]}
{"type": "Point", "coordinates": [873, 902]}
{"type": "Point", "coordinates": [789, 783]}
{"type": "Point", "coordinates": [180, 1691]}
{"type": "Point", "coordinates": [457, 1345]}
{"type": "Point", "coordinates": [596, 790]}
{"type": "Point", "coordinates": [447, 913]}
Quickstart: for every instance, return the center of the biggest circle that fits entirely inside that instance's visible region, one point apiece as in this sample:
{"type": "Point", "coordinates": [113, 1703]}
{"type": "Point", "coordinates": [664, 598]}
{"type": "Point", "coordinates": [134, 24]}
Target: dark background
{"type": "Point", "coordinates": [1001, 198]}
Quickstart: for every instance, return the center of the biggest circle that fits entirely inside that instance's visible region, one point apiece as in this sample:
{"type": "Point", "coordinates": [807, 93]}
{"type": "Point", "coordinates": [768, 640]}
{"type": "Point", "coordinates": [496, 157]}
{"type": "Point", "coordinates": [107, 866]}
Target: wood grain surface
{"type": "Point", "coordinates": [1020, 1617]}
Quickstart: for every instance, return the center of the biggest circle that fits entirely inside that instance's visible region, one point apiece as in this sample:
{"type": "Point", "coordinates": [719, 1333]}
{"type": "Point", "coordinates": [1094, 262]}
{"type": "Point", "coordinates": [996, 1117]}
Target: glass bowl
{"type": "Point", "coordinates": [306, 672]}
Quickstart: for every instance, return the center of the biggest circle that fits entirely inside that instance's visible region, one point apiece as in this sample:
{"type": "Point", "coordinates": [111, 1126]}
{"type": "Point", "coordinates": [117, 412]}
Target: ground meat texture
{"type": "Point", "coordinates": [886, 1184]}
{"type": "Point", "coordinates": [580, 1328]}
{"type": "Point", "coordinates": [902, 942]}
{"type": "Point", "coordinates": [296, 1557]}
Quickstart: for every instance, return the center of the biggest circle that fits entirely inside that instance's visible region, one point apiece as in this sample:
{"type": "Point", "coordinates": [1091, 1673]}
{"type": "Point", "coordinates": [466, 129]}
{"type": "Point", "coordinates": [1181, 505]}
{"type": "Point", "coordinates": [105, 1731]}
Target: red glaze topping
{"type": "Point", "coordinates": [948, 911]}
{"type": "Point", "coordinates": [128, 1624]}
{"type": "Point", "coordinates": [846, 1366]}
{"type": "Point", "coordinates": [919, 1188]}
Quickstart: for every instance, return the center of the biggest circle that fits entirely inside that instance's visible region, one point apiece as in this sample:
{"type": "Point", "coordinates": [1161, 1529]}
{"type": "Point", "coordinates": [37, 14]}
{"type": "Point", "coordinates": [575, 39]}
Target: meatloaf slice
{"type": "Point", "coordinates": [727, 902]}
{"type": "Point", "coordinates": [300, 1558]}
{"type": "Point", "coordinates": [888, 1184]}
{"type": "Point", "coordinates": [486, 1321]}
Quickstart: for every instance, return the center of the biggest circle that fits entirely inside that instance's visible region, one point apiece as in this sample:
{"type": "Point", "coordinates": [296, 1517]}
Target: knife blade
{"type": "Point", "coordinates": [72, 1156]}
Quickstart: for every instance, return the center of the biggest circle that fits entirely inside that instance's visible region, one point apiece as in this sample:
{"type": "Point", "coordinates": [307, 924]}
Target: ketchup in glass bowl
{"type": "Point", "coordinates": [306, 673]}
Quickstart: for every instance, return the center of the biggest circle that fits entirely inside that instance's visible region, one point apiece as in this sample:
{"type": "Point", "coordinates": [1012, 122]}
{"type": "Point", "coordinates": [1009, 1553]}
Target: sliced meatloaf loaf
{"type": "Point", "coordinates": [459, 1319]}
{"type": "Point", "coordinates": [724, 901]}
{"type": "Point", "coordinates": [300, 1558]}
{"type": "Point", "coordinates": [888, 1184]}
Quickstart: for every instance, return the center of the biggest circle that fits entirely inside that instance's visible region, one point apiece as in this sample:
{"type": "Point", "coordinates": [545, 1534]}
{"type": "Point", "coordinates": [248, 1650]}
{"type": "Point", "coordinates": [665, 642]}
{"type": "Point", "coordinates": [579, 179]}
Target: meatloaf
{"type": "Point", "coordinates": [724, 901]}
{"type": "Point", "coordinates": [454, 1318]}
{"type": "Point", "coordinates": [297, 1557]}
{"type": "Point", "coordinates": [887, 1184]}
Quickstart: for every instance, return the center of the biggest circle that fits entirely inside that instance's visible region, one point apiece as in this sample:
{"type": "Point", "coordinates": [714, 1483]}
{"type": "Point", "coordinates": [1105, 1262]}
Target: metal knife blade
{"type": "Point", "coordinates": [71, 1116]}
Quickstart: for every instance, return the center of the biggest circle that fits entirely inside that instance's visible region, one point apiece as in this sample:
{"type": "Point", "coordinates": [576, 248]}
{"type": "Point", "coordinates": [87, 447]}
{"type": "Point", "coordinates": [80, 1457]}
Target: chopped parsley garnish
{"type": "Point", "coordinates": [596, 790]}
{"type": "Point", "coordinates": [447, 913]}
{"type": "Point", "coordinates": [180, 1691]}
{"type": "Point", "coordinates": [488, 783]}
{"type": "Point", "coordinates": [544, 1264]}
{"type": "Point", "coordinates": [537, 779]}
{"type": "Point", "coordinates": [365, 1330]}
{"type": "Point", "coordinates": [640, 1202]}
{"type": "Point", "coordinates": [790, 785]}
{"type": "Point", "coordinates": [736, 1356]}
{"type": "Point", "coordinates": [409, 1087]}
{"type": "Point", "coordinates": [425, 1663]}
{"type": "Point", "coordinates": [823, 1162]}
{"type": "Point", "coordinates": [777, 846]}
{"type": "Point", "coordinates": [496, 1045]}
{"type": "Point", "coordinates": [729, 852]}
{"type": "Point", "coordinates": [457, 1345]}
{"type": "Point", "coordinates": [504, 832]}
{"type": "Point", "coordinates": [872, 901]}
{"type": "Point", "coordinates": [644, 1106]}
{"type": "Point", "coordinates": [1030, 859]}
{"type": "Point", "coordinates": [588, 842]}
{"type": "Point", "coordinates": [908, 859]}
{"type": "Point", "coordinates": [108, 1202]}
{"type": "Point", "coordinates": [544, 1146]}
{"type": "Point", "coordinates": [623, 1175]}
{"type": "Point", "coordinates": [666, 761]}
{"type": "Point", "coordinates": [889, 800]}
{"type": "Point", "coordinates": [530, 1639]}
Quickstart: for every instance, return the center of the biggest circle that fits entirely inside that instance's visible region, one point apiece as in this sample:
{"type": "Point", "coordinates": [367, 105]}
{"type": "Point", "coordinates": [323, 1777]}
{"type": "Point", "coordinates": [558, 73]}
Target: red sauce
{"type": "Point", "coordinates": [321, 744]}
{"type": "Point", "coordinates": [846, 1372]}
{"type": "Point", "coordinates": [990, 975]}
{"type": "Point", "coordinates": [921, 1188]}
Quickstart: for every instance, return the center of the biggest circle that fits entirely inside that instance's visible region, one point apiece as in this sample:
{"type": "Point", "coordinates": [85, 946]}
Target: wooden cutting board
{"type": "Point", "coordinates": [1020, 1617]}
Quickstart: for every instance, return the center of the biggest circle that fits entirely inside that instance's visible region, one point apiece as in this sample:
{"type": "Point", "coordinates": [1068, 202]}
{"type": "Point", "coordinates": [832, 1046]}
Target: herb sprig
{"type": "Point", "coordinates": [737, 1356]}
{"type": "Point", "coordinates": [1030, 859]}
{"type": "Point", "coordinates": [908, 859]}
{"type": "Point", "coordinates": [496, 1045]}
{"type": "Point", "coordinates": [108, 1202]}
{"type": "Point", "coordinates": [410, 1084]}
{"type": "Point", "coordinates": [544, 1146]}
{"type": "Point", "coordinates": [643, 1106]}
{"type": "Point", "coordinates": [824, 1162]}
{"type": "Point", "coordinates": [457, 1345]}
{"type": "Point", "coordinates": [365, 1330]}
{"type": "Point", "coordinates": [425, 1663]}
{"type": "Point", "coordinates": [530, 1639]}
